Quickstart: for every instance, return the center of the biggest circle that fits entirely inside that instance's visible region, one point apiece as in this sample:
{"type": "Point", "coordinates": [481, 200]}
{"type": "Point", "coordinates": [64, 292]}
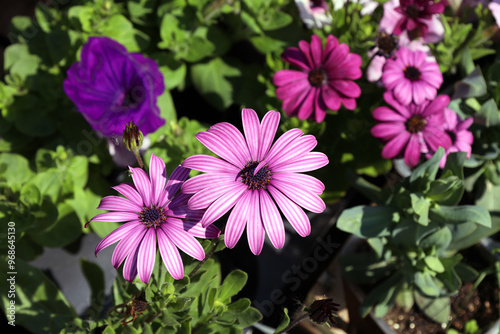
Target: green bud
{"type": "Point", "coordinates": [132, 137]}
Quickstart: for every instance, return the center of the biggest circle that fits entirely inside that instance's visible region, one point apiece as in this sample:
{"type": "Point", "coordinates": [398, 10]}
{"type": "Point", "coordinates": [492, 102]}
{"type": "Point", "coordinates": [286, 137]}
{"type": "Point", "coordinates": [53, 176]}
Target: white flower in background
{"type": "Point", "coordinates": [368, 5]}
{"type": "Point", "coordinates": [494, 7]}
{"type": "Point", "coordinates": [314, 13]}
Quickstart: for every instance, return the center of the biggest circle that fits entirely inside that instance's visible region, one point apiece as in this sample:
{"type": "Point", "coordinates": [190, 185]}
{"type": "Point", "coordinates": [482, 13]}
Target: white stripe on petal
{"type": "Point", "coordinates": [170, 255]}
{"type": "Point", "coordinates": [293, 213]}
{"type": "Point", "coordinates": [272, 220]}
{"type": "Point", "coordinates": [203, 199]}
{"type": "Point", "coordinates": [220, 147]}
{"type": "Point", "coordinates": [158, 175]}
{"type": "Point", "coordinates": [255, 228]}
{"type": "Point", "coordinates": [118, 234]}
{"type": "Point", "coordinates": [233, 137]}
{"type": "Point", "coordinates": [282, 142]}
{"type": "Point", "coordinates": [128, 244]}
{"type": "Point", "coordinates": [251, 128]}
{"type": "Point", "coordinates": [130, 266]}
{"type": "Point", "coordinates": [130, 192]}
{"type": "Point", "coordinates": [223, 204]}
{"type": "Point", "coordinates": [310, 162]}
{"type": "Point", "coordinates": [202, 181]}
{"type": "Point", "coordinates": [301, 181]}
{"type": "Point", "coordinates": [302, 197]}
{"type": "Point", "coordinates": [146, 256]}
{"type": "Point", "coordinates": [194, 228]}
{"type": "Point", "coordinates": [208, 163]}
{"type": "Point", "coordinates": [116, 217]}
{"type": "Point", "coordinates": [143, 185]}
{"type": "Point", "coordinates": [298, 148]}
{"type": "Point", "coordinates": [268, 128]}
{"type": "Point", "coordinates": [185, 242]}
{"type": "Point", "coordinates": [116, 203]}
{"type": "Point", "coordinates": [237, 220]}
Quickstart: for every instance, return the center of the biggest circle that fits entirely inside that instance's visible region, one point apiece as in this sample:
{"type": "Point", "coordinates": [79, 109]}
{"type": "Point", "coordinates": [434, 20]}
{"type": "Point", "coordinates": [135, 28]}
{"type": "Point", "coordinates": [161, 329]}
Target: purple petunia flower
{"type": "Point", "coordinates": [256, 178]}
{"type": "Point", "coordinates": [461, 137]}
{"type": "Point", "coordinates": [112, 87]}
{"type": "Point", "coordinates": [323, 81]}
{"type": "Point", "coordinates": [412, 77]}
{"type": "Point", "coordinates": [153, 211]}
{"type": "Point", "coordinates": [411, 129]}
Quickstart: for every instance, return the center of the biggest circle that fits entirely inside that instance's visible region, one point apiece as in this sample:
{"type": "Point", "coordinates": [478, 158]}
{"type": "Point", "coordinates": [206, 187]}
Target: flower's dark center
{"type": "Point", "coordinates": [453, 136]}
{"type": "Point", "coordinates": [153, 216]}
{"type": "Point", "coordinates": [316, 3]}
{"type": "Point", "coordinates": [415, 124]}
{"type": "Point", "coordinates": [387, 44]}
{"type": "Point", "coordinates": [257, 181]}
{"type": "Point", "coordinates": [412, 73]}
{"type": "Point", "coordinates": [317, 77]}
{"type": "Point", "coordinates": [412, 11]}
{"type": "Point", "coordinates": [129, 99]}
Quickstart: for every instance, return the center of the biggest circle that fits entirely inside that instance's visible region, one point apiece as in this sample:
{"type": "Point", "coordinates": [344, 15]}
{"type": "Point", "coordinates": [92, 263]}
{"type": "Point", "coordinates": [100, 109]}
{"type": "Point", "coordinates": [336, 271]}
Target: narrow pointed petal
{"type": "Point", "coordinates": [158, 175]}
{"type": "Point", "coordinates": [395, 145]}
{"type": "Point", "coordinates": [115, 203]}
{"type": "Point", "coordinates": [271, 218]}
{"type": "Point", "coordinates": [283, 141]}
{"type": "Point", "coordinates": [207, 163]}
{"type": "Point", "coordinates": [251, 128]}
{"type": "Point", "coordinates": [293, 213]}
{"type": "Point", "coordinates": [130, 266]}
{"type": "Point", "coordinates": [118, 234]}
{"type": "Point", "coordinates": [307, 163]}
{"type": "Point", "coordinates": [255, 228]}
{"type": "Point", "coordinates": [173, 185]}
{"type": "Point", "coordinates": [237, 220]}
{"type": "Point", "coordinates": [297, 148]}
{"type": "Point", "coordinates": [222, 205]}
{"type": "Point", "coordinates": [412, 151]}
{"type": "Point", "coordinates": [117, 217]}
{"type": "Point", "coordinates": [220, 147]}
{"type": "Point", "coordinates": [143, 185]}
{"type": "Point", "coordinates": [185, 242]}
{"type": "Point", "coordinates": [127, 245]}
{"type": "Point", "coordinates": [301, 181]}
{"type": "Point", "coordinates": [130, 192]}
{"type": "Point", "coordinates": [304, 198]}
{"type": "Point", "coordinates": [146, 255]}
{"type": "Point", "coordinates": [204, 198]}
{"type": "Point", "coordinates": [269, 125]}
{"type": "Point", "coordinates": [202, 181]}
{"type": "Point", "coordinates": [195, 228]}
{"type": "Point", "coordinates": [170, 255]}
{"type": "Point", "coordinates": [233, 137]}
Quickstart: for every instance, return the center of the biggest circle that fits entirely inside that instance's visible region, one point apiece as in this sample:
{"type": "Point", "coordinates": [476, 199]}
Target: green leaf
{"type": "Point", "coordinates": [14, 168]}
{"type": "Point", "coordinates": [365, 267]}
{"type": "Point", "coordinates": [468, 234]}
{"type": "Point", "coordinates": [489, 112]}
{"type": "Point", "coordinates": [420, 207]}
{"type": "Point", "coordinates": [367, 221]}
{"type": "Point", "coordinates": [437, 309]}
{"type": "Point", "coordinates": [173, 70]}
{"type": "Point", "coordinates": [30, 195]}
{"type": "Point", "coordinates": [81, 17]}
{"type": "Point", "coordinates": [473, 85]}
{"type": "Point", "coordinates": [19, 61]}
{"type": "Point", "coordinates": [249, 317]}
{"type": "Point", "coordinates": [382, 296]}
{"type": "Point", "coordinates": [440, 239]}
{"type": "Point", "coordinates": [284, 323]}
{"type": "Point", "coordinates": [433, 263]}
{"type": "Point", "coordinates": [119, 28]}
{"type": "Point", "coordinates": [39, 306]}
{"type": "Point", "coordinates": [232, 284]}
{"type": "Point", "coordinates": [214, 80]}
{"type": "Point", "coordinates": [424, 174]}
{"type": "Point", "coordinates": [405, 299]}
{"type": "Point", "coordinates": [461, 214]}
{"type": "Point", "coordinates": [427, 284]}
{"type": "Point", "coordinates": [241, 305]}
{"type": "Point", "coordinates": [95, 277]}
{"type": "Point", "coordinates": [273, 19]}
{"type": "Point", "coordinates": [490, 197]}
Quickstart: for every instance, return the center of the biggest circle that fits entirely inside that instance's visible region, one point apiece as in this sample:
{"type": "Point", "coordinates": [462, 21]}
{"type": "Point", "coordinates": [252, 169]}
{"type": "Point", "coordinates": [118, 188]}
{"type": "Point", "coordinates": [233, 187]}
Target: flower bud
{"type": "Point", "coordinates": [132, 137]}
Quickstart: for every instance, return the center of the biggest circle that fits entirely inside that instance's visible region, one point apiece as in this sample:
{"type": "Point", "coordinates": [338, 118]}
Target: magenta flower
{"type": "Point", "coordinates": [256, 178]}
{"type": "Point", "coordinates": [457, 129]}
{"type": "Point", "coordinates": [323, 81]}
{"type": "Point", "coordinates": [112, 87]}
{"type": "Point", "coordinates": [412, 77]}
{"type": "Point", "coordinates": [419, 18]}
{"type": "Point", "coordinates": [154, 212]}
{"type": "Point", "coordinates": [411, 129]}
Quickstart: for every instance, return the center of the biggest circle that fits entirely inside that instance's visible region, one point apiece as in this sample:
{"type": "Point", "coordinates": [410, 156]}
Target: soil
{"type": "Point", "coordinates": [482, 305]}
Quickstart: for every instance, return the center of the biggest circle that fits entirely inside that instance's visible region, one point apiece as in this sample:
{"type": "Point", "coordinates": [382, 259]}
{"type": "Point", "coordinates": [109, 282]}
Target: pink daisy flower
{"type": "Point", "coordinates": [412, 77]}
{"type": "Point", "coordinates": [323, 79]}
{"type": "Point", "coordinates": [256, 177]}
{"type": "Point", "coordinates": [420, 18]}
{"type": "Point", "coordinates": [411, 129]}
{"type": "Point", "coordinates": [153, 212]}
{"type": "Point", "coordinates": [457, 129]}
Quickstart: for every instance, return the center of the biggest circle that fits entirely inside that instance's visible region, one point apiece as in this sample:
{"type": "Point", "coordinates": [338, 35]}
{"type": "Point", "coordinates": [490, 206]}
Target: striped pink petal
{"type": "Point", "coordinates": [283, 141]}
{"type": "Point", "coordinates": [271, 218]}
{"type": "Point", "coordinates": [116, 203]}
{"type": "Point", "coordinates": [269, 125]}
{"type": "Point", "coordinates": [118, 234]}
{"type": "Point", "coordinates": [255, 228]}
{"type": "Point", "coordinates": [297, 148]}
{"type": "Point", "coordinates": [195, 228]}
{"type": "Point", "coordinates": [237, 220]}
{"type": "Point", "coordinates": [205, 197]}
{"type": "Point", "coordinates": [251, 128]}
{"type": "Point", "coordinates": [207, 163]}
{"type": "Point", "coordinates": [130, 266]}
{"type": "Point", "coordinates": [127, 245]}
{"type": "Point", "coordinates": [146, 255]}
{"type": "Point", "coordinates": [304, 197]}
{"type": "Point", "coordinates": [170, 255]}
{"type": "Point", "coordinates": [185, 242]}
{"type": "Point", "coordinates": [117, 217]}
{"type": "Point", "coordinates": [158, 175]}
{"type": "Point", "coordinates": [202, 181]}
{"type": "Point", "coordinates": [301, 181]}
{"type": "Point", "coordinates": [222, 205]}
{"type": "Point", "coordinates": [293, 213]}
{"type": "Point", "coordinates": [130, 192]}
{"type": "Point", "coordinates": [173, 185]}
{"type": "Point", "coordinates": [232, 136]}
{"type": "Point", "coordinates": [307, 163]}
{"type": "Point", "coordinates": [142, 183]}
{"type": "Point", "coordinates": [215, 144]}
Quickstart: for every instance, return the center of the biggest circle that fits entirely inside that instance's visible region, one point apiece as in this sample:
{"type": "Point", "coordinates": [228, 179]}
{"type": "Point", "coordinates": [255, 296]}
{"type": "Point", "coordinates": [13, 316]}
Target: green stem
{"type": "Point", "coordinates": [294, 323]}
{"type": "Point", "coordinates": [208, 256]}
{"type": "Point", "coordinates": [139, 159]}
